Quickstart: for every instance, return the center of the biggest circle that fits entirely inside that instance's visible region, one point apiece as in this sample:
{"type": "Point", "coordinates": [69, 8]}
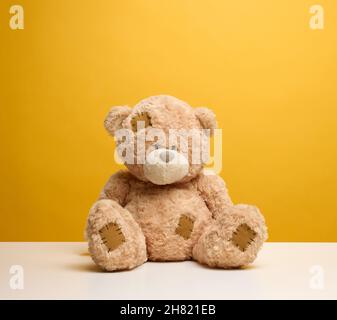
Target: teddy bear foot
{"type": "Point", "coordinates": [233, 240]}
{"type": "Point", "coordinates": [116, 241]}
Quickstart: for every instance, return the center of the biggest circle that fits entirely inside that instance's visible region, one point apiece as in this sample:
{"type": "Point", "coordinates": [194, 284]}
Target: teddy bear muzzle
{"type": "Point", "coordinates": [165, 166]}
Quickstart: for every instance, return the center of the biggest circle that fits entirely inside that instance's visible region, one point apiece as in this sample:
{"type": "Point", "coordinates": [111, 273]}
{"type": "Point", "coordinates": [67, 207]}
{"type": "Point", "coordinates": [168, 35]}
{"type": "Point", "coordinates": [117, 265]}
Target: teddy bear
{"type": "Point", "coordinates": [165, 206]}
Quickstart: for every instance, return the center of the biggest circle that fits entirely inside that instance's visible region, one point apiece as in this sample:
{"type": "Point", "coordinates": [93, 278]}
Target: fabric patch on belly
{"type": "Point", "coordinates": [112, 236]}
{"type": "Point", "coordinates": [185, 226]}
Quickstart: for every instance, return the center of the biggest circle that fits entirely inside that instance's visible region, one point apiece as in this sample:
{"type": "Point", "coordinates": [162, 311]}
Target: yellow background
{"type": "Point", "coordinates": [271, 80]}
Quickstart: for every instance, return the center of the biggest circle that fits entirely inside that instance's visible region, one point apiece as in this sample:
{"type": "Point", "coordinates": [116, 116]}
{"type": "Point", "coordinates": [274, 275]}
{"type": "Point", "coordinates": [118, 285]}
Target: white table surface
{"type": "Point", "coordinates": [64, 270]}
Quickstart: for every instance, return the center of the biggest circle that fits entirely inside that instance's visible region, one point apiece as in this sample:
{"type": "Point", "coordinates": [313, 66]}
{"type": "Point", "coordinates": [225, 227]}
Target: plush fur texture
{"type": "Point", "coordinates": [135, 220]}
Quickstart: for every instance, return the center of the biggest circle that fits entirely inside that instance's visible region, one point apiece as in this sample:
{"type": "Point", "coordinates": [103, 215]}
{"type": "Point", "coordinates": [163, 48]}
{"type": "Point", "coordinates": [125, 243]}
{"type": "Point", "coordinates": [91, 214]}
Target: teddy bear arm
{"type": "Point", "coordinates": [116, 241]}
{"type": "Point", "coordinates": [237, 232]}
{"type": "Point", "coordinates": [117, 188]}
{"type": "Point", "coordinates": [214, 192]}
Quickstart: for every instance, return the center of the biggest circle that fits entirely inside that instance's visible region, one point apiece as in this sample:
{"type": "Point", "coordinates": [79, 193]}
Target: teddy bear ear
{"type": "Point", "coordinates": [206, 118]}
{"type": "Point", "coordinates": [115, 117]}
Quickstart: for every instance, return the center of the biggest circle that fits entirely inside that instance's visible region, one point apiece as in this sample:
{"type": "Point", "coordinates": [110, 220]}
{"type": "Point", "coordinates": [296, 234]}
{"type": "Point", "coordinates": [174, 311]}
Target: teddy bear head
{"type": "Point", "coordinates": [162, 139]}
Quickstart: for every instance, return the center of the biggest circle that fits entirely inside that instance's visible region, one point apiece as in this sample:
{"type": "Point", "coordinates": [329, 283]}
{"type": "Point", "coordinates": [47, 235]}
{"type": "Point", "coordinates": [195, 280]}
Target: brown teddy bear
{"type": "Point", "coordinates": [165, 207]}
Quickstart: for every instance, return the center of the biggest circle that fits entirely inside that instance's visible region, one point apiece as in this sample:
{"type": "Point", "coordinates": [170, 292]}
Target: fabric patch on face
{"type": "Point", "coordinates": [112, 236]}
{"type": "Point", "coordinates": [185, 226]}
{"type": "Point", "coordinates": [243, 236]}
{"type": "Point", "coordinates": [144, 117]}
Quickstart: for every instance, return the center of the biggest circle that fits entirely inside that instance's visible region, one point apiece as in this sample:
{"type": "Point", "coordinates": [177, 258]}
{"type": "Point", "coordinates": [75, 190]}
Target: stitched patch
{"type": "Point", "coordinates": [185, 226]}
{"type": "Point", "coordinates": [143, 116]}
{"type": "Point", "coordinates": [112, 236]}
{"type": "Point", "coordinates": [243, 236]}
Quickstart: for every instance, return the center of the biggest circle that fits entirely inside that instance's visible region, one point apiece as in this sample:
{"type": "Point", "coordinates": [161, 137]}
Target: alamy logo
{"type": "Point", "coordinates": [181, 145]}
{"type": "Point", "coordinates": [317, 19]}
{"type": "Point", "coordinates": [317, 277]}
{"type": "Point", "coordinates": [16, 21]}
{"type": "Point", "coordinates": [16, 280]}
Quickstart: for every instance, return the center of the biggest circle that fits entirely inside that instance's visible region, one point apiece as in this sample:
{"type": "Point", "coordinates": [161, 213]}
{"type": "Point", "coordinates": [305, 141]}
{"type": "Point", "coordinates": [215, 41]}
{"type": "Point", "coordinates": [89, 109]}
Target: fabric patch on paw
{"type": "Point", "coordinates": [243, 236]}
{"type": "Point", "coordinates": [185, 226]}
{"type": "Point", "coordinates": [140, 117]}
{"type": "Point", "coordinates": [112, 236]}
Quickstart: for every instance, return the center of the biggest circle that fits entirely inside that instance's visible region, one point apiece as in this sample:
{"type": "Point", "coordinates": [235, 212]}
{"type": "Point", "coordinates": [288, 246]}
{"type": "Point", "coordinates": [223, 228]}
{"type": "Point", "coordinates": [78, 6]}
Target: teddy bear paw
{"type": "Point", "coordinates": [116, 241]}
{"type": "Point", "coordinates": [232, 241]}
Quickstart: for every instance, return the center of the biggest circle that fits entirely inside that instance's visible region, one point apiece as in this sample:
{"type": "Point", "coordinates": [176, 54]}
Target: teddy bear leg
{"type": "Point", "coordinates": [116, 241]}
{"type": "Point", "coordinates": [233, 240]}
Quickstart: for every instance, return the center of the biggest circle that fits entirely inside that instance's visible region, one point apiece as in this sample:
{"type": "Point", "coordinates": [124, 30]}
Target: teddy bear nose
{"type": "Point", "coordinates": [165, 166]}
{"type": "Point", "coordinates": [167, 156]}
